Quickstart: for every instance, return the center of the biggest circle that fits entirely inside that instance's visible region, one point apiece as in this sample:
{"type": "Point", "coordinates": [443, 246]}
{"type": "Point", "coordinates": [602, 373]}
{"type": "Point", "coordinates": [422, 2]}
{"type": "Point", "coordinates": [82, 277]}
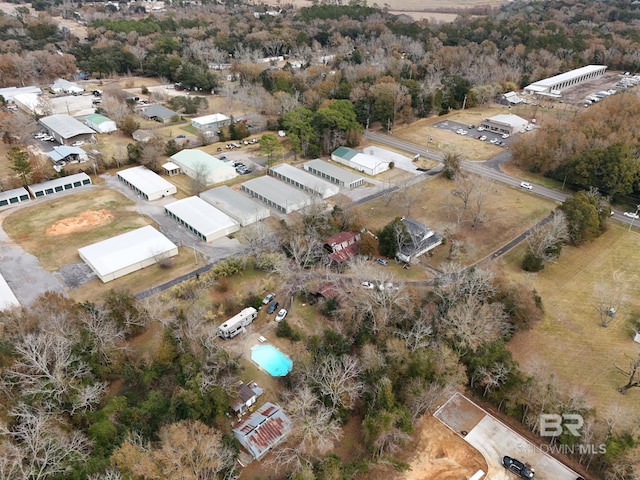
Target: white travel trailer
{"type": "Point", "coordinates": [234, 325]}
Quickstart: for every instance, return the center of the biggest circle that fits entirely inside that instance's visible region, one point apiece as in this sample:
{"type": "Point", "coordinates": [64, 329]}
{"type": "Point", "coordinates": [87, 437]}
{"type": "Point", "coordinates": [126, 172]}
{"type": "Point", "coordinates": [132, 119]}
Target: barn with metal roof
{"type": "Point", "coordinates": [65, 128]}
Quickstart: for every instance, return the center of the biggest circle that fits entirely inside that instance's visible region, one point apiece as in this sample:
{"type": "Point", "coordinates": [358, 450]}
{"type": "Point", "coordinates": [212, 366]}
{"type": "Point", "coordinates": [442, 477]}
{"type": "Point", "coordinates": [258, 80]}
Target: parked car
{"type": "Point", "coordinates": [367, 285]}
{"type": "Point", "coordinates": [272, 308]}
{"type": "Point", "coordinates": [79, 143]}
{"type": "Point", "coordinates": [517, 467]}
{"type": "Point", "coordinates": [281, 314]}
{"type": "Point", "coordinates": [480, 129]}
{"type": "Point", "coordinates": [268, 298]}
{"type": "Point", "coordinates": [526, 185]}
{"type": "Point", "coordinates": [631, 215]}
{"type": "Point", "coordinates": [483, 138]}
{"type": "Point", "coordinates": [505, 135]}
{"type": "Point", "coordinates": [382, 261]}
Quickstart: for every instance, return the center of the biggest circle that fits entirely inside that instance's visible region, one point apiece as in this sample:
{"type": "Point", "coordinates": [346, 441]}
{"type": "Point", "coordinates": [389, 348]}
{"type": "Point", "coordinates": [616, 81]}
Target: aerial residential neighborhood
{"type": "Point", "coordinates": [319, 240]}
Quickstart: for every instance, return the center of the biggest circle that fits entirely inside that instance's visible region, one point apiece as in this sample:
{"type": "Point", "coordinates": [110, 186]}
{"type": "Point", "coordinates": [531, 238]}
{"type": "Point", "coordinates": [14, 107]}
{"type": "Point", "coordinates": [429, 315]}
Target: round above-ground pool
{"type": "Point", "coordinates": [276, 363]}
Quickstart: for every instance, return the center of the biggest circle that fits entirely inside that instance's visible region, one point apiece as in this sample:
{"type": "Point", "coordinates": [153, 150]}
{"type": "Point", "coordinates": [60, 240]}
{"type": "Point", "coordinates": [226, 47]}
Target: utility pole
{"type": "Point", "coordinates": [634, 217]}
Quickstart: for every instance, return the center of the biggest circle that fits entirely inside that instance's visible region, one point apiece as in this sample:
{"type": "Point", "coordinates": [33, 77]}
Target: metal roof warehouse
{"type": "Point", "coordinates": [146, 183]}
{"type": "Point", "coordinates": [235, 204]}
{"type": "Point", "coordinates": [277, 194]}
{"type": "Point", "coordinates": [201, 218]}
{"type": "Point", "coordinates": [65, 127]}
{"type": "Point", "coordinates": [127, 253]}
{"type": "Point", "coordinates": [11, 197]}
{"type": "Point", "coordinates": [334, 174]}
{"type": "Point", "coordinates": [304, 180]}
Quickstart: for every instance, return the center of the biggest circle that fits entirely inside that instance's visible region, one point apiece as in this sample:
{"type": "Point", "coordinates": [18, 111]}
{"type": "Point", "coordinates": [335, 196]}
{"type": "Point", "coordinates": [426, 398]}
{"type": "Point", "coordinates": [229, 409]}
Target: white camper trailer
{"type": "Point", "coordinates": [234, 325]}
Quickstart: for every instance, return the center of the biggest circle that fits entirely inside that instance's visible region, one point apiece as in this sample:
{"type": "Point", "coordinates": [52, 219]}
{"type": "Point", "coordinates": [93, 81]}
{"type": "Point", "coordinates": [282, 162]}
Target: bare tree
{"type": "Point", "coordinates": [543, 241]}
{"type": "Point", "coordinates": [106, 334]}
{"type": "Point", "coordinates": [419, 334]}
{"type": "Point", "coordinates": [491, 378]}
{"type": "Point", "coordinates": [632, 373]}
{"type": "Point", "coordinates": [37, 446]}
{"type": "Point", "coordinates": [338, 379]}
{"type": "Point", "coordinates": [481, 196]}
{"type": "Point", "coordinates": [422, 396]}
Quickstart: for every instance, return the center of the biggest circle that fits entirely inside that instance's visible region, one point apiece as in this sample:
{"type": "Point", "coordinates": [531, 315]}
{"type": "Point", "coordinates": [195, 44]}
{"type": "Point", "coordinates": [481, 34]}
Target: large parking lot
{"type": "Point", "coordinates": [474, 131]}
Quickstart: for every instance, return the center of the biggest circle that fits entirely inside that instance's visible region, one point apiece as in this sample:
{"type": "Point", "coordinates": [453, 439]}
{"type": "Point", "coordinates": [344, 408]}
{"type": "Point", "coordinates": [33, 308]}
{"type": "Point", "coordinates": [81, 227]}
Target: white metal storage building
{"type": "Point", "coordinates": [127, 253]}
{"type": "Point", "coordinates": [203, 167]}
{"type": "Point", "coordinates": [362, 162]}
{"type": "Point", "coordinates": [235, 204]}
{"type": "Point", "coordinates": [7, 298]}
{"type": "Point", "coordinates": [201, 218]}
{"type": "Point", "coordinates": [12, 197]}
{"type": "Point", "coordinates": [100, 123]}
{"type": "Point", "coordinates": [276, 194]}
{"type": "Point", "coordinates": [334, 173]}
{"type": "Point", "coordinates": [304, 180]}
{"type": "Point", "coordinates": [146, 183]}
{"type": "Point", "coordinates": [59, 185]}
{"type": "Point", "coordinates": [554, 85]}
{"type": "Point", "coordinates": [211, 122]}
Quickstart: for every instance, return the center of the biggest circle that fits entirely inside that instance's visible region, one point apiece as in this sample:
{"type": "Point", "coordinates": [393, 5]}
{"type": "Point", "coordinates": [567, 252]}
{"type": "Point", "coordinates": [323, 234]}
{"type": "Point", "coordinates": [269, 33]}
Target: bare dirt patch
{"type": "Point", "coordinates": [440, 454]}
{"type": "Point", "coordinates": [79, 223]}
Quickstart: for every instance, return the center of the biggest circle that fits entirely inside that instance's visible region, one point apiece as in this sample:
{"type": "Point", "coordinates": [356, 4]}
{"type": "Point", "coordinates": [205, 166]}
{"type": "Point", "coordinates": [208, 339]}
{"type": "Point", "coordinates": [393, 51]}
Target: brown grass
{"type": "Point", "coordinates": [510, 212]}
{"type": "Point", "coordinates": [27, 226]}
{"type": "Point", "coordinates": [570, 338]}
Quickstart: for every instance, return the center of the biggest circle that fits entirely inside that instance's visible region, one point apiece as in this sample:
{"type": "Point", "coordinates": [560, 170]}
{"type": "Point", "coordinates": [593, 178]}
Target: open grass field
{"type": "Point", "coordinates": [570, 339]}
{"type": "Point", "coordinates": [509, 212]}
{"type": "Point", "coordinates": [30, 226]}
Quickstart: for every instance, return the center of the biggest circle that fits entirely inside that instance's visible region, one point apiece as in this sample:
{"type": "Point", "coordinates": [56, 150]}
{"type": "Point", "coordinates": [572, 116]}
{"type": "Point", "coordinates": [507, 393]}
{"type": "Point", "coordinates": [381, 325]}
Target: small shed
{"type": "Point", "coordinates": [171, 168]}
{"type": "Point", "coordinates": [100, 123]}
{"type": "Point", "coordinates": [246, 397]}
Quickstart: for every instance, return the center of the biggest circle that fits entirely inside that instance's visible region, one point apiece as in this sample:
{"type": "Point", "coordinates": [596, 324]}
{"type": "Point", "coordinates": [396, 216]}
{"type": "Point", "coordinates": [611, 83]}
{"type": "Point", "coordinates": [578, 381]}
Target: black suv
{"type": "Point", "coordinates": [272, 308]}
{"type": "Point", "coordinates": [517, 467]}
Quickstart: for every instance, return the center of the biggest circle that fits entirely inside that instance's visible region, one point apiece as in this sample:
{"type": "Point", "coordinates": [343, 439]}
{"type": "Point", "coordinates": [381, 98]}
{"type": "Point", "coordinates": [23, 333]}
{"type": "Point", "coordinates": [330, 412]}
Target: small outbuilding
{"type": "Point", "coordinates": [13, 197]}
{"type": "Point", "coordinates": [171, 168]}
{"type": "Point", "coordinates": [362, 162]}
{"type": "Point", "coordinates": [276, 194]}
{"type": "Point", "coordinates": [149, 185]}
{"type": "Point", "coordinates": [238, 206]}
{"type": "Point", "coordinates": [160, 114]}
{"type": "Point", "coordinates": [100, 123]}
{"type": "Point", "coordinates": [504, 123]}
{"type": "Point", "coordinates": [246, 397]}
{"type": "Point", "coordinates": [7, 298]}
{"type": "Point", "coordinates": [303, 180]}
{"type": "Point", "coordinates": [118, 256]}
{"type": "Point", "coordinates": [66, 129]}
{"type": "Point", "coordinates": [58, 185]}
{"type": "Point", "coordinates": [342, 246]}
{"type": "Point", "coordinates": [64, 155]}
{"type": "Point", "coordinates": [211, 122]}
{"type": "Point", "coordinates": [263, 430]}
{"type": "Point", "coordinates": [202, 167]}
{"type": "Point", "coordinates": [334, 173]}
{"type": "Point", "coordinates": [142, 136]}
{"type": "Point", "coordinates": [201, 218]}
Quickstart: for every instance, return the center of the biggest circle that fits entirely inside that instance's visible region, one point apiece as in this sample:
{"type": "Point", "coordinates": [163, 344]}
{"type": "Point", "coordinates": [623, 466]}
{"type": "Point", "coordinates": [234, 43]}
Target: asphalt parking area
{"type": "Point", "coordinates": [473, 133]}
{"type": "Point", "coordinates": [494, 440]}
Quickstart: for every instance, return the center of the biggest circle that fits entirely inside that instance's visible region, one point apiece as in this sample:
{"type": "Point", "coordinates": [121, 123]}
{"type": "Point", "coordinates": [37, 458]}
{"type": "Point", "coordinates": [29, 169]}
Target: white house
{"type": "Point", "coordinates": [210, 122]}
